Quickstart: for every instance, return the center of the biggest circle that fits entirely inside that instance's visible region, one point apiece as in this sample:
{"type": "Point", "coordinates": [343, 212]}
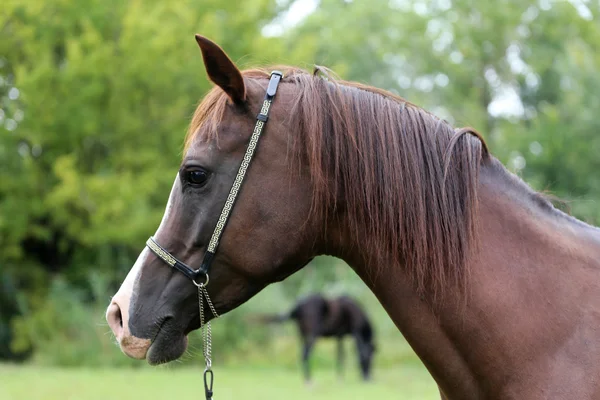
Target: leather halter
{"type": "Point", "coordinates": [194, 274]}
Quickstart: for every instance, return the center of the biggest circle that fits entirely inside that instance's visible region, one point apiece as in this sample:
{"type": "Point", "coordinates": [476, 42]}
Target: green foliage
{"type": "Point", "coordinates": [66, 330]}
{"type": "Point", "coordinates": [106, 90]}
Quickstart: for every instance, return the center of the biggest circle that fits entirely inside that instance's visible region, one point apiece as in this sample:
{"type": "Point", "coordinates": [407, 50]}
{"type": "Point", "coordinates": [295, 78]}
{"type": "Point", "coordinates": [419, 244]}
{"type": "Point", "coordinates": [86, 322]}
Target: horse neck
{"type": "Point", "coordinates": [523, 295]}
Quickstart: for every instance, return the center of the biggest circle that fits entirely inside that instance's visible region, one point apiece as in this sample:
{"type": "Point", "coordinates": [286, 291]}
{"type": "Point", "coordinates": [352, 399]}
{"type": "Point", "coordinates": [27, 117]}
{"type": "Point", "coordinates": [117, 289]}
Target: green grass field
{"type": "Point", "coordinates": [40, 383]}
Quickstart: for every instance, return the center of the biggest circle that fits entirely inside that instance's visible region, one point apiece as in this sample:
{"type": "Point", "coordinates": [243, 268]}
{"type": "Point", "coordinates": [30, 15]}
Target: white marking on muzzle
{"type": "Point", "coordinates": [131, 345]}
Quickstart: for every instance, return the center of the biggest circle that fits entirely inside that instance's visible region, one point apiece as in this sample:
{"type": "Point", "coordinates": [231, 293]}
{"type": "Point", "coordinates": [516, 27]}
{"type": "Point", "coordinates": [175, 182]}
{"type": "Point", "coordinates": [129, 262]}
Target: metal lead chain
{"type": "Point", "coordinates": [206, 340]}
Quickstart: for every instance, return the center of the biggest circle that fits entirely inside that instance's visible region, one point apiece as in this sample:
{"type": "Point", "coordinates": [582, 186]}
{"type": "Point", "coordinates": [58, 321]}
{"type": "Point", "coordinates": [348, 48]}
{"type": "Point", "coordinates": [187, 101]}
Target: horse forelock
{"type": "Point", "coordinates": [405, 179]}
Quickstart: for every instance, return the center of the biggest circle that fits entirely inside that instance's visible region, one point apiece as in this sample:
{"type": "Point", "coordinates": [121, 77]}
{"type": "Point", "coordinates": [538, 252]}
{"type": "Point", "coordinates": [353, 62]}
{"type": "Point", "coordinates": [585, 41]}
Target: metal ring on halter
{"type": "Point", "coordinates": [205, 284]}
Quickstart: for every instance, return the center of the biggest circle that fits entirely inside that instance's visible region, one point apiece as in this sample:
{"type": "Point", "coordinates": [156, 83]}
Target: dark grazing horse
{"type": "Point", "coordinates": [316, 316]}
{"type": "Point", "coordinates": [497, 291]}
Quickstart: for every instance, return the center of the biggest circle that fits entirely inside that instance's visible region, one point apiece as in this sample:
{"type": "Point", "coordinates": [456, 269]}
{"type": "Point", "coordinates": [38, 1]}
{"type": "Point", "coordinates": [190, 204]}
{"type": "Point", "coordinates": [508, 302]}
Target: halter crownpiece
{"type": "Point", "coordinates": [194, 274]}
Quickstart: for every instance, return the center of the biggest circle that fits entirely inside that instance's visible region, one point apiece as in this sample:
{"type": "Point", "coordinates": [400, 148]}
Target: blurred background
{"type": "Point", "coordinates": [95, 97]}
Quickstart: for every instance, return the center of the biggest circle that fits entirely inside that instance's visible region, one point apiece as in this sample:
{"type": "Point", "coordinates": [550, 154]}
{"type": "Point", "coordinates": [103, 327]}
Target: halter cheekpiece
{"type": "Point", "coordinates": [194, 274]}
{"type": "Point", "coordinates": [202, 272]}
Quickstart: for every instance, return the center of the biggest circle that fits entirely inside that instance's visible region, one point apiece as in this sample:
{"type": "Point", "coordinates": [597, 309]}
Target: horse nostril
{"type": "Point", "coordinates": [115, 319]}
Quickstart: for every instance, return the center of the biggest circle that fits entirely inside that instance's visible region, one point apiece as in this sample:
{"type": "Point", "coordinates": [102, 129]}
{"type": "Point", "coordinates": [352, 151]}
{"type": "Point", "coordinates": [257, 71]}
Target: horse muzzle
{"type": "Point", "coordinates": [132, 346]}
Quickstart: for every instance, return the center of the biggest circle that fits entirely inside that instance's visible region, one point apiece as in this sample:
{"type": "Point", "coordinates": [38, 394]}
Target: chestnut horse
{"type": "Point", "coordinates": [496, 290]}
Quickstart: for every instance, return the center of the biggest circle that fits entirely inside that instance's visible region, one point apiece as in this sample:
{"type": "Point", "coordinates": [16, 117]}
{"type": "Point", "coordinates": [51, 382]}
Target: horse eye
{"type": "Point", "coordinates": [196, 177]}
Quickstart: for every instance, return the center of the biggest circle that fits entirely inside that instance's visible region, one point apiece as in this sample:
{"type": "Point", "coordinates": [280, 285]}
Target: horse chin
{"type": "Point", "coordinates": [166, 348]}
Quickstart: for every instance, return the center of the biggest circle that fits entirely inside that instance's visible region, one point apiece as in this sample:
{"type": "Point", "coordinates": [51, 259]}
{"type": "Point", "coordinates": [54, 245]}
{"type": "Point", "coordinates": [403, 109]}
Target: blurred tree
{"type": "Point", "coordinates": [521, 72]}
{"type": "Point", "coordinates": [96, 96]}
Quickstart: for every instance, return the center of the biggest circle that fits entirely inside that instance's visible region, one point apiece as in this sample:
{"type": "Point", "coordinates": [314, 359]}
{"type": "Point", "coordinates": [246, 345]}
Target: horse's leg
{"type": "Point", "coordinates": [307, 348]}
{"type": "Point", "coordinates": [363, 362]}
{"type": "Point", "coordinates": [340, 356]}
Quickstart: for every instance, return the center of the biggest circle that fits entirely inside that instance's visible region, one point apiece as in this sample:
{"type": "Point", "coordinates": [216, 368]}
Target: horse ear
{"type": "Point", "coordinates": [221, 70]}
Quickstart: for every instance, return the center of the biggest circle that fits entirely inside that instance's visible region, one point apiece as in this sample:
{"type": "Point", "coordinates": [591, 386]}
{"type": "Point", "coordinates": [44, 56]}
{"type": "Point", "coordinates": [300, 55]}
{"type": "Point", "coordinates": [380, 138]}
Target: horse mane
{"type": "Point", "coordinates": [404, 180]}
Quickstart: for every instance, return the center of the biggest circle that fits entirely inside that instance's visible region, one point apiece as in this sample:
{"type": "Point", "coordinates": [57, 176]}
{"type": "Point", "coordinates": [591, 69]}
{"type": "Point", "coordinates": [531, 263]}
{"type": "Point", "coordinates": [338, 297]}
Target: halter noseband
{"type": "Point", "coordinates": [194, 274]}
